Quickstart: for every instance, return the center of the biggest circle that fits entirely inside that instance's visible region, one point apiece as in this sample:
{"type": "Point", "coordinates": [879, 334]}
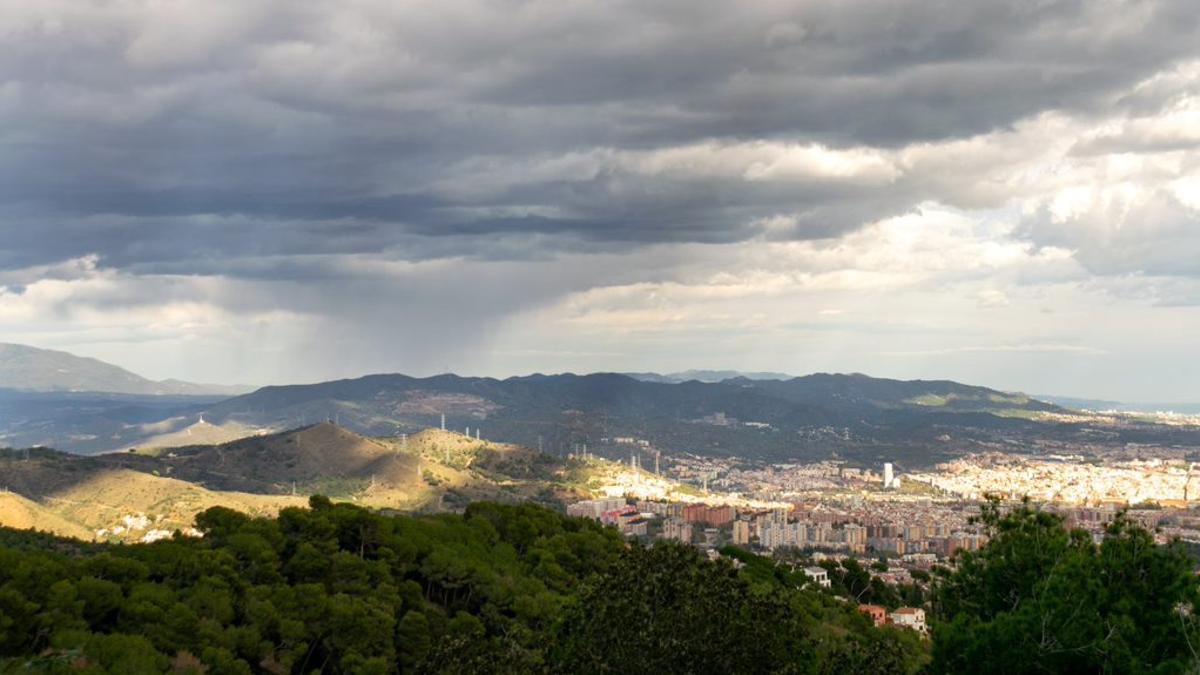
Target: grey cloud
{"type": "Point", "coordinates": [159, 137]}
{"type": "Point", "coordinates": [1153, 234]}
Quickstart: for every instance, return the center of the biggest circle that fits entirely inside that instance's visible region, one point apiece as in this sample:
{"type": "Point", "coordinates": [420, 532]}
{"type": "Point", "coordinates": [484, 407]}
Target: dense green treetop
{"type": "Point", "coordinates": [336, 588]}
{"type": "Point", "coordinates": [1042, 599]}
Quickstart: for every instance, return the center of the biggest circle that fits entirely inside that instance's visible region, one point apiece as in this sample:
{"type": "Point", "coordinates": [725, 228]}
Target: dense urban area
{"type": "Point", "coordinates": [898, 526]}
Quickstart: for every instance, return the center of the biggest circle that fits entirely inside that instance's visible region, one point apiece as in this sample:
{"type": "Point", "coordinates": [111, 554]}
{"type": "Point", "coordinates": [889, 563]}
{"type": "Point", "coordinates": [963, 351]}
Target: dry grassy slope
{"type": "Point", "coordinates": [79, 495]}
{"type": "Point", "coordinates": [102, 500]}
{"type": "Point", "coordinates": [21, 513]}
{"type": "Point", "coordinates": [481, 469]}
{"type": "Point", "coordinates": [450, 448]}
{"type": "Point", "coordinates": [317, 453]}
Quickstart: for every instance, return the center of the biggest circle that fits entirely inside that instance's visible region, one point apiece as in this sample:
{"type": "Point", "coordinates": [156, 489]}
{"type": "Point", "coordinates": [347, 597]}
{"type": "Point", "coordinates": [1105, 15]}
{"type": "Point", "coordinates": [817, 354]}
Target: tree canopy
{"type": "Point", "coordinates": [335, 588]}
{"type": "Point", "coordinates": [1040, 598]}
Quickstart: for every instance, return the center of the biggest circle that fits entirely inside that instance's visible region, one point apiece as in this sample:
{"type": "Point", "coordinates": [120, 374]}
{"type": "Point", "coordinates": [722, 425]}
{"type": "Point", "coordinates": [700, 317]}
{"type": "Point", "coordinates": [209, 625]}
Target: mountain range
{"type": "Point", "coordinates": [757, 416]}
{"type": "Point", "coordinates": [25, 368]}
{"type": "Point", "coordinates": [707, 376]}
{"type": "Point", "coordinates": [813, 417]}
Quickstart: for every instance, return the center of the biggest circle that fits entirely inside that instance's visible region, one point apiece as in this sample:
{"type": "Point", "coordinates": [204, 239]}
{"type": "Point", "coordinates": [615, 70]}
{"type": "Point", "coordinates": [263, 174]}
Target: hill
{"type": "Point", "coordinates": [125, 496]}
{"type": "Point", "coordinates": [130, 505]}
{"type": "Point", "coordinates": [128, 495]}
{"type": "Point", "coordinates": [25, 368]}
{"type": "Point", "coordinates": [200, 432]}
{"type": "Point", "coordinates": [813, 417]}
{"type": "Point", "coordinates": [319, 458]}
{"type": "Point", "coordinates": [20, 513]}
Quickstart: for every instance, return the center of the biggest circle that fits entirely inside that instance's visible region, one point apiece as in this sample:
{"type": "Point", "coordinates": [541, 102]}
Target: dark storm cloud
{"type": "Point", "coordinates": [180, 136]}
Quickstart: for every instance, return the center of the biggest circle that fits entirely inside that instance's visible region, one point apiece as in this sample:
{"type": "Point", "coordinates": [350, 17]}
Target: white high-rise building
{"type": "Point", "coordinates": [888, 477]}
{"type": "Point", "coordinates": [772, 535]}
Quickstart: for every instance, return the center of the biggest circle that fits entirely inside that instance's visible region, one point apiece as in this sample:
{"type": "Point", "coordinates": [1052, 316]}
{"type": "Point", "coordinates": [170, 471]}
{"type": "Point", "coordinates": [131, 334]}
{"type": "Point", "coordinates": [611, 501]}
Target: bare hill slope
{"type": "Point", "coordinates": [118, 498]}
{"type": "Point", "coordinates": [21, 513]}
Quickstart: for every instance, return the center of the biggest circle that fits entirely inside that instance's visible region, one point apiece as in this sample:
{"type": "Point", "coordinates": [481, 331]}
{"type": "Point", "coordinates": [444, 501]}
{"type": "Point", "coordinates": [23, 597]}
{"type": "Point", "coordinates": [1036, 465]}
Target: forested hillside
{"type": "Point", "coordinates": [335, 588]}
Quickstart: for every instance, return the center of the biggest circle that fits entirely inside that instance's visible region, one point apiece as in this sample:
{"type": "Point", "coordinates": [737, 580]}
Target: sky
{"type": "Point", "coordinates": [275, 191]}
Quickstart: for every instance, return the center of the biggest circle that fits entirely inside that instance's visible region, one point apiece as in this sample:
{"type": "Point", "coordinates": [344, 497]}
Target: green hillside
{"type": "Point", "coordinates": [335, 588]}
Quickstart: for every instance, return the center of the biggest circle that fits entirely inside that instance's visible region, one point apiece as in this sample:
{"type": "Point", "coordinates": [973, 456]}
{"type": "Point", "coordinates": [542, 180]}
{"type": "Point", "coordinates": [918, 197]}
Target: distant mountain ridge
{"type": "Point", "coordinates": [802, 418]}
{"type": "Point", "coordinates": [25, 368]}
{"type": "Point", "coordinates": [758, 416]}
{"type": "Point", "coordinates": [707, 376]}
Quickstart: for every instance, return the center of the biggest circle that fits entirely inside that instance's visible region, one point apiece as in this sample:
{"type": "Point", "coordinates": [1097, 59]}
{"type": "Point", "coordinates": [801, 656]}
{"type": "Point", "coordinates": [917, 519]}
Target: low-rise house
{"type": "Point", "coordinates": [910, 617]}
{"type": "Point", "coordinates": [877, 613]}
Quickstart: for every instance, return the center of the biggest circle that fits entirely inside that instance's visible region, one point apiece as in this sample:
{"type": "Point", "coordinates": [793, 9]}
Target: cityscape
{"type": "Point", "coordinates": [457, 337]}
{"type": "Point", "coordinates": [904, 523]}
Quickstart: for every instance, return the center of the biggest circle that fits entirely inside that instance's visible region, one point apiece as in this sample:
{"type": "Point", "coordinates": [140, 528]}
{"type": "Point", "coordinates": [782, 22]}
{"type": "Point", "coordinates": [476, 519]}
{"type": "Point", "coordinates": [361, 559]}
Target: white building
{"type": "Point", "coordinates": [910, 617]}
{"type": "Point", "coordinates": [820, 577]}
{"type": "Point", "coordinates": [888, 476]}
